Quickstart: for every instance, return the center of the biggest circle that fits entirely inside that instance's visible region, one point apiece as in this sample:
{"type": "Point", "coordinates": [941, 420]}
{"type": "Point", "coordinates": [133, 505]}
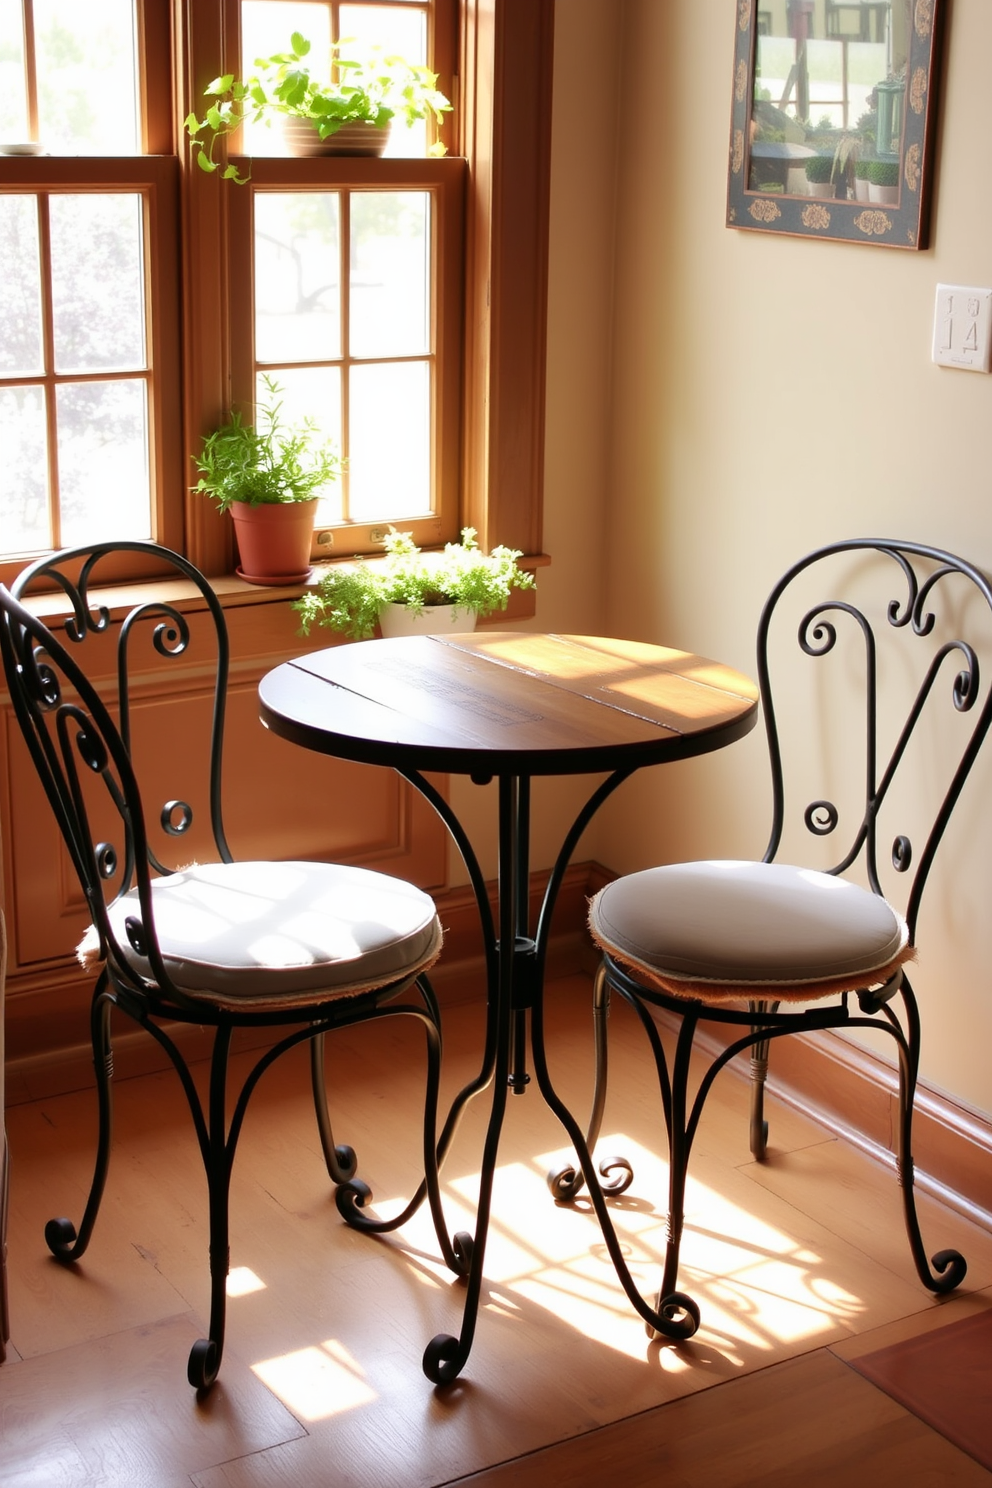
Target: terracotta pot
{"type": "Point", "coordinates": [400, 620]}
{"type": "Point", "coordinates": [351, 139]}
{"type": "Point", "coordinates": [274, 540]}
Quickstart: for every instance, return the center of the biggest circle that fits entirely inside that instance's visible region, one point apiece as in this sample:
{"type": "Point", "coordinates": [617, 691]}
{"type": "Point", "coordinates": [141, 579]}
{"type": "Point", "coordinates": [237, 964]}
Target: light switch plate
{"type": "Point", "coordinates": [962, 327]}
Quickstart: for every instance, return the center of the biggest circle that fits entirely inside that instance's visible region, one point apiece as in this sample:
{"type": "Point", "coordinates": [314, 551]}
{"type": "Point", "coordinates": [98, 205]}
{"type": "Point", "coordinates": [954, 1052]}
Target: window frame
{"type": "Point", "coordinates": [495, 61]}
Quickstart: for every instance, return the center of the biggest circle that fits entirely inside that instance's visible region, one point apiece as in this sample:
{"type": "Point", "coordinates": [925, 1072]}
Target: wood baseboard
{"type": "Point", "coordinates": [853, 1092]}
{"type": "Point", "coordinates": [48, 1065]}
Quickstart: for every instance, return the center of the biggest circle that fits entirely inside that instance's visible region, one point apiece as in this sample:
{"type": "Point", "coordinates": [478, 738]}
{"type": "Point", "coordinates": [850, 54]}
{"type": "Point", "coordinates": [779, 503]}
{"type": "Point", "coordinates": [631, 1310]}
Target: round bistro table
{"type": "Point", "coordinates": [509, 706]}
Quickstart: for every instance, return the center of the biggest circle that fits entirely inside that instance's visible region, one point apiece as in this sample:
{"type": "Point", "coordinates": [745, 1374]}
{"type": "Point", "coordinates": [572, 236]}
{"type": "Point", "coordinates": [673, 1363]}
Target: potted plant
{"type": "Point", "coordinates": [861, 179]}
{"type": "Point", "coordinates": [412, 590]}
{"type": "Point", "coordinates": [883, 181]}
{"type": "Point", "coordinates": [268, 475]}
{"type": "Point", "coordinates": [349, 115]}
{"type": "Point", "coordinates": [819, 174]}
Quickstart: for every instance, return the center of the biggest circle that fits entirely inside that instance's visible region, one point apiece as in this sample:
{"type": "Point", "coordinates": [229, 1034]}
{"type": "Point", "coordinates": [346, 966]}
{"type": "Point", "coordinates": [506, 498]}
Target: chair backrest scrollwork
{"type": "Point", "coordinates": [870, 658]}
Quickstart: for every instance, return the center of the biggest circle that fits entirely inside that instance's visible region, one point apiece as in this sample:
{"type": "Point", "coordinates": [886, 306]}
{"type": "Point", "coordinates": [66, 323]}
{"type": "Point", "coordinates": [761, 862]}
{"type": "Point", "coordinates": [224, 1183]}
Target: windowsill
{"type": "Point", "coordinates": [236, 593]}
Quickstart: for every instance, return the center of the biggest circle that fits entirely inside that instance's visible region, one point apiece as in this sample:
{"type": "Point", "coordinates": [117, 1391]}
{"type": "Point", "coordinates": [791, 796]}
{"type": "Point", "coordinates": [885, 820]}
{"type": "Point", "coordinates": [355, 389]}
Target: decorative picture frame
{"type": "Point", "coordinates": [832, 176]}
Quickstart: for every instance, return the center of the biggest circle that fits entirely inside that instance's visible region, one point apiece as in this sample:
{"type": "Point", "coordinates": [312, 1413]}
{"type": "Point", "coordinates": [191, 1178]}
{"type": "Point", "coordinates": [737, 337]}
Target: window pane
{"type": "Point", "coordinates": [390, 273]}
{"type": "Point", "coordinates": [23, 470]}
{"type": "Point", "coordinates": [399, 31]}
{"type": "Point", "coordinates": [87, 77]}
{"type": "Point", "coordinates": [309, 392]}
{"type": "Point", "coordinates": [20, 288]}
{"type": "Point", "coordinates": [266, 28]}
{"type": "Point", "coordinates": [103, 460]}
{"type": "Point", "coordinates": [297, 276]}
{"type": "Point", "coordinates": [389, 447]}
{"type": "Point", "coordinates": [97, 283]}
{"type": "Point", "coordinates": [13, 90]}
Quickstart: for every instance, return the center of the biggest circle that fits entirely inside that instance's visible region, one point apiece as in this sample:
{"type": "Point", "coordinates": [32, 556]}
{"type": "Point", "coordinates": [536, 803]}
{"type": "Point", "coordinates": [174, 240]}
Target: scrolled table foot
{"type": "Point", "coordinates": [678, 1316]}
{"type": "Point", "coordinates": [622, 1175]}
{"type": "Point", "coordinates": [444, 1359]}
{"type": "Point", "coordinates": [565, 1183]}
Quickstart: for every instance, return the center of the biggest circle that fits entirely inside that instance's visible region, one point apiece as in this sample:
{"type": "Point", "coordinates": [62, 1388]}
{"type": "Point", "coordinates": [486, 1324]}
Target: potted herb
{"type": "Point", "coordinates": [350, 114]}
{"type": "Point", "coordinates": [883, 182]}
{"type": "Point", "coordinates": [268, 476]}
{"type": "Point", "coordinates": [414, 590]}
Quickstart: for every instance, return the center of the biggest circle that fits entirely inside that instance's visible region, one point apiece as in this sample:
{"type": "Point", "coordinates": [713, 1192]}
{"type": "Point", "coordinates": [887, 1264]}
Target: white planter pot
{"type": "Point", "coordinates": [861, 189]}
{"type": "Point", "coordinates": [886, 196]}
{"type": "Point", "coordinates": [820, 188]}
{"type": "Point", "coordinates": [400, 620]}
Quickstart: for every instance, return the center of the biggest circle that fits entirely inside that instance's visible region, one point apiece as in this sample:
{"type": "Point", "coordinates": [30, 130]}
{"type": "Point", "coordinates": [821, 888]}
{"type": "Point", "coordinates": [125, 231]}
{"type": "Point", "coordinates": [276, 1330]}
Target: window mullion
{"type": "Point", "coordinates": [345, 349]}
{"type": "Point", "coordinates": [48, 364]}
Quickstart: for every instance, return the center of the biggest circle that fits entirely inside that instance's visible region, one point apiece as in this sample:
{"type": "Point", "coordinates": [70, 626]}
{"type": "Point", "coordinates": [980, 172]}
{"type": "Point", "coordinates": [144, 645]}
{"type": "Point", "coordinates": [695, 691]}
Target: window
{"type": "Point", "coordinates": [141, 299]}
{"type": "Point", "coordinates": [87, 341]}
{"type": "Point", "coordinates": [346, 273]}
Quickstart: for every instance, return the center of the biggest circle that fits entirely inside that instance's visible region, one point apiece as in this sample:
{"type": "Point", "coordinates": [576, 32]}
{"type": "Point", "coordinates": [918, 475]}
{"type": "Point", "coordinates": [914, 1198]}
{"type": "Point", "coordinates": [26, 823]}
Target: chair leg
{"type": "Point", "coordinates": [566, 1182]}
{"type": "Point", "coordinates": [218, 1158]}
{"type": "Point", "coordinates": [950, 1265]}
{"type": "Point", "coordinates": [342, 1164]}
{"type": "Point", "coordinates": [759, 1073]}
{"type": "Point", "coordinates": [61, 1236]}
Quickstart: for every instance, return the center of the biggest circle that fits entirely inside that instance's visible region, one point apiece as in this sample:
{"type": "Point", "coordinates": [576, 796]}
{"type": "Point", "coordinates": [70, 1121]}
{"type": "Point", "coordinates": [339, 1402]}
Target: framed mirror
{"type": "Point", "coordinates": [833, 119]}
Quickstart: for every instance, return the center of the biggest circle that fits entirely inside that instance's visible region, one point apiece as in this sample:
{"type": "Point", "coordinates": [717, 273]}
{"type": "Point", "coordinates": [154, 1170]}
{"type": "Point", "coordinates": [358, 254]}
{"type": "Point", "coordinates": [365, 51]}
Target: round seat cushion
{"type": "Point", "coordinates": [261, 933]}
{"type": "Point", "coordinates": [723, 930]}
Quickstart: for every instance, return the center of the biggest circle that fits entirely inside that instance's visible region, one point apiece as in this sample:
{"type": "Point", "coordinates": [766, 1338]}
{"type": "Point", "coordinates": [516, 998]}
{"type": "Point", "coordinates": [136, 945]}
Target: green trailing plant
{"type": "Point", "coordinates": [348, 597]}
{"type": "Point", "coordinates": [883, 172]}
{"type": "Point", "coordinates": [373, 87]}
{"type": "Point", "coordinates": [265, 462]}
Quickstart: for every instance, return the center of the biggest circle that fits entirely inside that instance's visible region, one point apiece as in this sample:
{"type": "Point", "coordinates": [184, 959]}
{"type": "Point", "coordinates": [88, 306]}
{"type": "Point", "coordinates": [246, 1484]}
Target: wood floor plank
{"type": "Point", "coordinates": [810, 1421]}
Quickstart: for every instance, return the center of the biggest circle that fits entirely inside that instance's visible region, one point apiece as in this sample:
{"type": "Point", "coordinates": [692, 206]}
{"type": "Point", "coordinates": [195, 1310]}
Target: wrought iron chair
{"type": "Point", "coordinates": [263, 945]}
{"type": "Point", "coordinates": [773, 949]}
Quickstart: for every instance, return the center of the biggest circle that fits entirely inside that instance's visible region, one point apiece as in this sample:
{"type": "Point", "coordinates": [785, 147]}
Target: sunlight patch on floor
{"type": "Point", "coordinates": [757, 1286]}
{"type": "Point", "coordinates": [318, 1382]}
{"type": "Point", "coordinates": [242, 1281]}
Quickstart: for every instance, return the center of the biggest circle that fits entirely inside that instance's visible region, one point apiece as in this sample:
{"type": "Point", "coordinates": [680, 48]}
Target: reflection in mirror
{"type": "Point", "coordinates": [832, 103]}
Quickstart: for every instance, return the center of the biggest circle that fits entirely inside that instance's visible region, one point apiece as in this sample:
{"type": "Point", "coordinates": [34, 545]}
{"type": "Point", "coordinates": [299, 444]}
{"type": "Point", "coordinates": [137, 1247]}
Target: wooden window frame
{"type": "Point", "coordinates": [501, 55]}
{"type": "Point", "coordinates": [501, 89]}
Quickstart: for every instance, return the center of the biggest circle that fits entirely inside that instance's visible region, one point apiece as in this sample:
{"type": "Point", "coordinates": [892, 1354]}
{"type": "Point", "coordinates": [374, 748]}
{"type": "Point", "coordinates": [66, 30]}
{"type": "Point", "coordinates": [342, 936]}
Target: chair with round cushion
{"type": "Point", "coordinates": [877, 713]}
{"type": "Point", "coordinates": [181, 934]}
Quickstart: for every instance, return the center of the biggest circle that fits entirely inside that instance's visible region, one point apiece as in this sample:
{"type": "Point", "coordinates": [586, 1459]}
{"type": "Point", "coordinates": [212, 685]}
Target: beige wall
{"type": "Point", "coordinates": [685, 362]}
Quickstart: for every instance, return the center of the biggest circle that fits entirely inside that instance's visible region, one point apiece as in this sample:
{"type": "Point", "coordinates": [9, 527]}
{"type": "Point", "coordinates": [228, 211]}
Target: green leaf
{"type": "Point", "coordinates": [204, 163]}
{"type": "Point", "coordinates": [219, 85]}
{"type": "Point", "coordinates": [299, 44]}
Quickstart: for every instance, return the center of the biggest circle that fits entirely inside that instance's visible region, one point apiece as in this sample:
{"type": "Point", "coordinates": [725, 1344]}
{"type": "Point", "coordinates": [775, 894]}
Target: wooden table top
{"type": "Point", "coordinates": [507, 702]}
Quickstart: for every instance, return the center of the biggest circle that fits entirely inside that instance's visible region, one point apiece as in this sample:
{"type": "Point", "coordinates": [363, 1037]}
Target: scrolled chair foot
{"type": "Point", "coordinates": [444, 1359]}
{"type": "Point", "coordinates": [60, 1237]}
{"type": "Point", "coordinates": [951, 1268]}
{"type": "Point", "coordinates": [679, 1316]}
{"type": "Point", "coordinates": [204, 1362]}
{"type": "Point", "coordinates": [351, 1198]}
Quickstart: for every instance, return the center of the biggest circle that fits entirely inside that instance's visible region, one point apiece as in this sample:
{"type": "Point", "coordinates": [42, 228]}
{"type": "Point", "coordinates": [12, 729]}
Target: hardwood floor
{"type": "Point", "coordinates": [797, 1265]}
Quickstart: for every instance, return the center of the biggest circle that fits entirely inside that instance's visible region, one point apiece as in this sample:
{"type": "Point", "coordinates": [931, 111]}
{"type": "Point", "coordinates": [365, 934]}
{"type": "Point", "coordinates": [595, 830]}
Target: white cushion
{"type": "Point", "coordinates": [258, 933]}
{"type": "Point", "coordinates": [748, 925]}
